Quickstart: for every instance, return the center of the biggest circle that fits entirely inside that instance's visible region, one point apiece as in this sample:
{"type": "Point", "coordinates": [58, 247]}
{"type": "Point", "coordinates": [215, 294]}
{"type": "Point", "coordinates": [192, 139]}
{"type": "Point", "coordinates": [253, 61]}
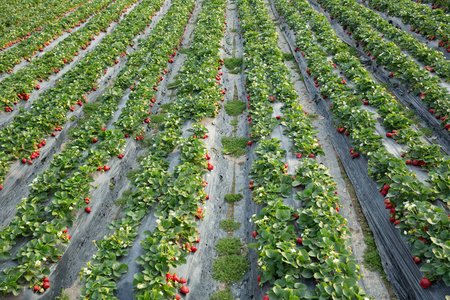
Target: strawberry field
{"type": "Point", "coordinates": [224, 149]}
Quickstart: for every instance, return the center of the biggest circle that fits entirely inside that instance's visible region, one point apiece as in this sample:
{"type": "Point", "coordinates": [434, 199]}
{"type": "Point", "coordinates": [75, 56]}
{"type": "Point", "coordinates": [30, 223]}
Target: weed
{"type": "Point", "coordinates": [230, 225]}
{"type": "Point", "coordinates": [234, 145]}
{"type": "Point", "coordinates": [222, 295]}
{"type": "Point", "coordinates": [234, 122]}
{"type": "Point", "coordinates": [230, 246]}
{"type": "Point", "coordinates": [288, 56]}
{"type": "Point", "coordinates": [159, 118]}
{"type": "Point", "coordinates": [232, 63]}
{"type": "Point", "coordinates": [230, 268]}
{"type": "Point", "coordinates": [230, 198]}
{"type": "Point", "coordinates": [235, 107]}
{"type": "Point", "coordinates": [183, 51]}
{"type": "Point", "coordinates": [426, 131]}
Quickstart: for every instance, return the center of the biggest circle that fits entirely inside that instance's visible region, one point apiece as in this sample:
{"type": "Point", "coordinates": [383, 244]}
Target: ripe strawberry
{"type": "Point", "coordinates": [36, 288]}
{"type": "Point", "coordinates": [299, 241]}
{"type": "Point", "coordinates": [396, 222]}
{"type": "Point", "coordinates": [249, 143]}
{"type": "Point", "coordinates": [87, 209]}
{"type": "Point", "coordinates": [296, 217]}
{"type": "Point", "coordinates": [46, 285]}
{"type": "Point", "coordinates": [24, 160]}
{"type": "Point", "coordinates": [392, 219]}
{"type": "Point", "coordinates": [106, 168]}
{"type": "Point", "coordinates": [389, 135]}
{"type": "Point", "coordinates": [416, 259]}
{"type": "Point", "coordinates": [266, 297]}
{"type": "Point", "coordinates": [415, 162]}
{"type": "Point", "coordinates": [193, 249]}
{"type": "Point", "coordinates": [94, 140]}
{"type": "Point", "coordinates": [408, 162]}
{"type": "Point", "coordinates": [254, 234]}
{"type": "Point", "coordinates": [184, 289]}
{"type": "Point", "coordinates": [425, 283]}
{"type": "Point", "coordinates": [177, 297]}
{"type": "Point", "coordinates": [87, 200]}
{"type": "Point", "coordinates": [299, 155]}
{"type": "Point", "coordinates": [46, 279]}
{"type": "Point", "coordinates": [182, 280]}
{"type": "Point", "coordinates": [210, 166]}
{"type": "Point", "coordinates": [99, 168]}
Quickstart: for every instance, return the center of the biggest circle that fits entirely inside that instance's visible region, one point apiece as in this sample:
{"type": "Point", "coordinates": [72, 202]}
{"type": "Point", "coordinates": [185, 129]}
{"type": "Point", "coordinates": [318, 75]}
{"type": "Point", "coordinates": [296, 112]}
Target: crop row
{"type": "Point", "coordinates": [401, 65]}
{"type": "Point", "coordinates": [424, 20]}
{"type": "Point", "coordinates": [15, 8]}
{"type": "Point", "coordinates": [354, 14]}
{"type": "Point", "coordinates": [398, 184]}
{"type": "Point", "coordinates": [19, 32]}
{"type": "Point", "coordinates": [284, 256]}
{"type": "Point", "coordinates": [21, 137]}
{"type": "Point", "coordinates": [177, 197]}
{"type": "Point", "coordinates": [153, 181]}
{"type": "Point", "coordinates": [21, 84]}
{"type": "Point", "coordinates": [437, 4]}
{"type": "Point", "coordinates": [68, 179]}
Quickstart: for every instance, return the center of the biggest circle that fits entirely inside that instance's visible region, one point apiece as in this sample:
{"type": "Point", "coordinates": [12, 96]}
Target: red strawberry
{"type": "Point", "coordinates": [24, 160]}
{"type": "Point", "coordinates": [184, 289]}
{"type": "Point", "coordinates": [425, 283]}
{"type": "Point", "coordinates": [392, 219]}
{"type": "Point", "coordinates": [106, 168]}
{"type": "Point", "coordinates": [36, 288]}
{"type": "Point", "coordinates": [415, 162]}
{"type": "Point", "coordinates": [177, 297]}
{"type": "Point", "coordinates": [299, 155]}
{"type": "Point", "coordinates": [296, 217]}
{"type": "Point", "coordinates": [210, 166]}
{"type": "Point", "coordinates": [193, 249]}
{"type": "Point", "coordinates": [87, 200]}
{"type": "Point", "coordinates": [182, 280]}
{"type": "Point", "coordinates": [408, 162]}
{"type": "Point", "coordinates": [249, 143]}
{"type": "Point", "coordinates": [87, 209]}
{"type": "Point", "coordinates": [396, 222]}
{"type": "Point", "coordinates": [416, 259]}
{"type": "Point", "coordinates": [266, 297]}
{"type": "Point", "coordinates": [46, 279]}
{"type": "Point", "coordinates": [389, 135]}
{"type": "Point", "coordinates": [299, 241]}
{"type": "Point", "coordinates": [278, 117]}
{"type": "Point", "coordinates": [95, 140]}
{"type": "Point", "coordinates": [254, 234]}
{"type": "Point", "coordinates": [46, 285]}
{"type": "Point", "coordinates": [99, 168]}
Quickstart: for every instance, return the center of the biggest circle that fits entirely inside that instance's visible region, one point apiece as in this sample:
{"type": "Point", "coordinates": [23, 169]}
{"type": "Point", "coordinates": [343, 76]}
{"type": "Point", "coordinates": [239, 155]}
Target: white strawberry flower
{"type": "Point", "coordinates": [38, 263]}
{"type": "Point", "coordinates": [335, 260]}
{"type": "Point", "coordinates": [140, 286]}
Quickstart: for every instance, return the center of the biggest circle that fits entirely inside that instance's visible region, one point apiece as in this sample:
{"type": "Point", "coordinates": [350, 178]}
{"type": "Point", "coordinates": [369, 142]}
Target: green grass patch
{"type": "Point", "coordinates": [232, 63]}
{"type": "Point", "coordinates": [165, 107]}
{"type": "Point", "coordinates": [235, 71]}
{"type": "Point", "coordinates": [372, 260]}
{"type": "Point", "coordinates": [222, 295]}
{"type": "Point", "coordinates": [288, 56]}
{"type": "Point", "coordinates": [233, 30]}
{"type": "Point", "coordinates": [234, 122]}
{"type": "Point", "coordinates": [230, 268]}
{"type": "Point", "coordinates": [235, 107]}
{"type": "Point", "coordinates": [230, 225]}
{"type": "Point", "coordinates": [230, 246]}
{"type": "Point", "coordinates": [426, 131]}
{"type": "Point", "coordinates": [90, 109]}
{"type": "Point", "coordinates": [159, 118]}
{"type": "Point", "coordinates": [173, 84]}
{"type": "Point", "coordinates": [184, 50]}
{"type": "Point", "coordinates": [230, 198]}
{"type": "Point", "coordinates": [65, 296]}
{"type": "Point", "coordinates": [234, 145]}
